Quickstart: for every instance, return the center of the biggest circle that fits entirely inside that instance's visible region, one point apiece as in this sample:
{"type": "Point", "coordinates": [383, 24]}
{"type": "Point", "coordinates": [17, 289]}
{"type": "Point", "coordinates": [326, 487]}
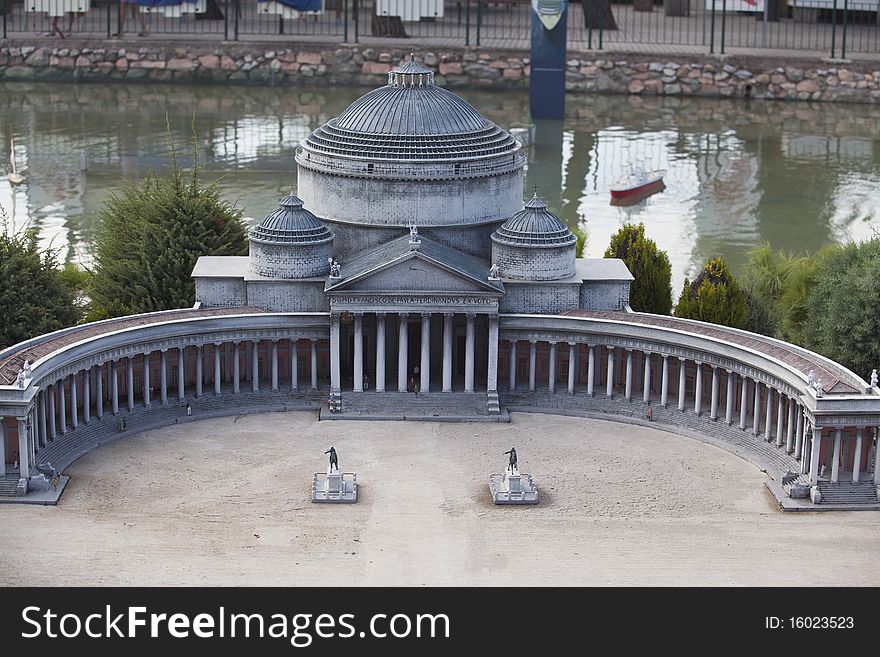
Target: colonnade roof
{"type": "Point", "coordinates": [836, 378]}
{"type": "Point", "coordinates": [37, 348]}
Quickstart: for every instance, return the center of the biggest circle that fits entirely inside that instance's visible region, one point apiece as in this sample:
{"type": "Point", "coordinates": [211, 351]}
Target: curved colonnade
{"type": "Point", "coordinates": [142, 372]}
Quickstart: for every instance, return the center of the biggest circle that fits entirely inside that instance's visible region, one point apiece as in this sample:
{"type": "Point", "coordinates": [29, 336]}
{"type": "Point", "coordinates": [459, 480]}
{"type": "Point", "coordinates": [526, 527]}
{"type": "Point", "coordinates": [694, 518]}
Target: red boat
{"type": "Point", "coordinates": [638, 183]}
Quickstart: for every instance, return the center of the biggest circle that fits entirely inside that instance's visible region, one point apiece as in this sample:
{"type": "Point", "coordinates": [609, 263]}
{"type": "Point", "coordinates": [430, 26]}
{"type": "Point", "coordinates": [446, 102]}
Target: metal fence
{"type": "Point", "coordinates": [827, 27]}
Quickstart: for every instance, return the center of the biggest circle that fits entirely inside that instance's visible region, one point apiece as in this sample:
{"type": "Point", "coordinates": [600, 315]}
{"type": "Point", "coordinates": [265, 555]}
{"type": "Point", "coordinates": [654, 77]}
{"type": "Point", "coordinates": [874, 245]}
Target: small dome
{"type": "Point", "coordinates": [291, 224]}
{"type": "Point", "coordinates": [534, 225]}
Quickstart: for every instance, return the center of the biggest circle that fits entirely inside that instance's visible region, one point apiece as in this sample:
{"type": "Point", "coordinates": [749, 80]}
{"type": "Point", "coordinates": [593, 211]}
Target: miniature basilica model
{"type": "Point", "coordinates": [409, 278]}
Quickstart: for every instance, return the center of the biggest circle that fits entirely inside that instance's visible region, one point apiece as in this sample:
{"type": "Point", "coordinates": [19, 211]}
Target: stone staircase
{"type": "Point", "coordinates": [433, 406]}
{"type": "Point", "coordinates": [743, 442]}
{"type": "Point", "coordinates": [848, 493]}
{"type": "Point", "coordinates": [8, 486]}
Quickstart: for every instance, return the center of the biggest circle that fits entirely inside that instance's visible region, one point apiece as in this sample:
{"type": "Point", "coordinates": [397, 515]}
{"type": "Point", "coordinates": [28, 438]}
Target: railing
{"type": "Point", "coordinates": [829, 27]}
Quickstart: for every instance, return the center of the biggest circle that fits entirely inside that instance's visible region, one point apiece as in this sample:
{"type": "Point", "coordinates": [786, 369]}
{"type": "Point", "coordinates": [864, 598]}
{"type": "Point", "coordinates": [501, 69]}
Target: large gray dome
{"type": "Point", "coordinates": [410, 118]}
{"type": "Point", "coordinates": [290, 243]}
{"type": "Point", "coordinates": [410, 153]}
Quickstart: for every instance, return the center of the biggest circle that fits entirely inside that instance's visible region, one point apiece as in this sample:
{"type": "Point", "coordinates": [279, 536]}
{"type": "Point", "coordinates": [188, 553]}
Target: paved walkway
{"type": "Point", "coordinates": [807, 33]}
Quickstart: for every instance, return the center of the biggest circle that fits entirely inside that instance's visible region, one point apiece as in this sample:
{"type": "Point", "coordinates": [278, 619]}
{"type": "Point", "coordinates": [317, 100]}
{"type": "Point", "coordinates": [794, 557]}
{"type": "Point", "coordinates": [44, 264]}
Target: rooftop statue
{"type": "Point", "coordinates": [874, 378]}
{"type": "Point", "coordinates": [27, 369]}
{"type": "Point", "coordinates": [494, 272]}
{"type": "Point", "coordinates": [19, 379]}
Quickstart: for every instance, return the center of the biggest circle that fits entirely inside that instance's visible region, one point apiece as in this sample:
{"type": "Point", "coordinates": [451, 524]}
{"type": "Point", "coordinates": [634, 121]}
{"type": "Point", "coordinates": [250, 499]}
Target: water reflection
{"type": "Point", "coordinates": [797, 175]}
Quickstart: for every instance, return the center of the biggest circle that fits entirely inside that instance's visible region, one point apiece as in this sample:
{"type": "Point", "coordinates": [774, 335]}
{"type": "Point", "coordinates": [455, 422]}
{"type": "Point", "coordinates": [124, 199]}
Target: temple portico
{"type": "Point", "coordinates": [412, 351]}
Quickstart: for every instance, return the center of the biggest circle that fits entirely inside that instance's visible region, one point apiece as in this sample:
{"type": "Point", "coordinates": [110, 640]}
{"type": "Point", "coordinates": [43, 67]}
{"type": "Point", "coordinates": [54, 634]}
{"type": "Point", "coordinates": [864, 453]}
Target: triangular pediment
{"type": "Point", "coordinates": [430, 268]}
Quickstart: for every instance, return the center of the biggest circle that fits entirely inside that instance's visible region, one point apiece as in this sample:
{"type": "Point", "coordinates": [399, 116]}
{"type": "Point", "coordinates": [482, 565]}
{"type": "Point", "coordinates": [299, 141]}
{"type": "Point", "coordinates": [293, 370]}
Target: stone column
{"type": "Point", "coordinates": [87, 395]}
{"type": "Point", "coordinates": [572, 366]}
{"type": "Point", "coordinates": [533, 363]}
{"type": "Point", "coordinates": [512, 365]}
{"type": "Point", "coordinates": [857, 460]}
{"type": "Point", "coordinates": [99, 390]}
{"type": "Point", "coordinates": [664, 382]}
{"type": "Point", "coordinates": [814, 457]}
{"type": "Point", "coordinates": [129, 382]}
{"type": "Point", "coordinates": [425, 371]}
{"type": "Point", "coordinates": [629, 377]}
{"type": "Point", "coordinates": [469, 354]}
{"type": "Point", "coordinates": [609, 378]}
{"type": "Point", "coordinates": [2, 447]}
{"type": "Point", "coordinates": [731, 387]}
{"type": "Point", "coordinates": [163, 377]}
{"type": "Point", "coordinates": [236, 368]}
{"type": "Point", "coordinates": [218, 379]}
{"type": "Point", "coordinates": [74, 419]}
{"type": "Point", "coordinates": [591, 369]}
{"type": "Point", "coordinates": [24, 450]}
{"type": "Point", "coordinates": [43, 436]}
{"type": "Point", "coordinates": [807, 447]}
{"type": "Point", "coordinates": [743, 402]}
{"type": "Point", "coordinates": [358, 385]}
{"type": "Point", "coordinates": [380, 353]}
{"type": "Point", "coordinates": [200, 358]}
{"type": "Point", "coordinates": [52, 392]}
{"type": "Point", "coordinates": [255, 366]}
{"type": "Point", "coordinates": [768, 413]}
{"type": "Point", "coordinates": [756, 415]}
{"type": "Point", "coordinates": [62, 408]}
{"type": "Point", "coordinates": [334, 353]}
{"type": "Point", "coordinates": [835, 459]}
{"type": "Point", "coordinates": [227, 366]}
{"type": "Point", "coordinates": [294, 363]}
{"type": "Point", "coordinates": [492, 375]}
{"type": "Point", "coordinates": [181, 372]}
{"type": "Point", "coordinates": [646, 383]}
{"type": "Point", "coordinates": [877, 461]}
{"type": "Point", "coordinates": [780, 414]}
{"type": "Point", "coordinates": [682, 380]}
{"type": "Point", "coordinates": [799, 434]}
{"type": "Point", "coordinates": [146, 373]}
{"type": "Point", "coordinates": [402, 352]}
{"type": "Point", "coordinates": [248, 355]}
{"type": "Point", "coordinates": [551, 377]}
{"type": "Point", "coordinates": [314, 371]}
{"type": "Point", "coordinates": [713, 403]}
{"type": "Point", "coordinates": [274, 367]}
{"type": "Point", "coordinates": [114, 387]}
{"type": "Point", "coordinates": [789, 427]}
{"type": "Point", "coordinates": [698, 389]}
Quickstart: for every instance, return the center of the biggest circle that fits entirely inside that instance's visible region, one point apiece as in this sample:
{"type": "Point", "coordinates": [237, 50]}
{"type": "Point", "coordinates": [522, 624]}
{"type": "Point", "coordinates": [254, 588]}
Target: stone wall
{"type": "Point", "coordinates": [286, 64]}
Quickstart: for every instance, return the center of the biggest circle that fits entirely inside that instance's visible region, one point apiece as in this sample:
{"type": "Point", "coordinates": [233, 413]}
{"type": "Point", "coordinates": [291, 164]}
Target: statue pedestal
{"type": "Point", "coordinates": [334, 487]}
{"type": "Point", "coordinates": [513, 488]}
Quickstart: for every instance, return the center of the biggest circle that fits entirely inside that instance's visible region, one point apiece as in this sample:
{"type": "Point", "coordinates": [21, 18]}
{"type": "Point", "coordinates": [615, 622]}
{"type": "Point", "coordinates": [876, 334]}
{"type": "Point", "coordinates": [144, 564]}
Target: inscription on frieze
{"type": "Point", "coordinates": [415, 300]}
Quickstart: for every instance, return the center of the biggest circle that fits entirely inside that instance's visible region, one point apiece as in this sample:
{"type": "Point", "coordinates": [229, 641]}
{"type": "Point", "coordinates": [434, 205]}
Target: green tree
{"type": "Point", "coordinates": [782, 282]}
{"type": "Point", "coordinates": [651, 291]}
{"type": "Point", "coordinates": [580, 245]}
{"type": "Point", "coordinates": [714, 296]}
{"type": "Point", "coordinates": [33, 293]}
{"type": "Point", "coordinates": [151, 234]}
{"type": "Point", "coordinates": [843, 306]}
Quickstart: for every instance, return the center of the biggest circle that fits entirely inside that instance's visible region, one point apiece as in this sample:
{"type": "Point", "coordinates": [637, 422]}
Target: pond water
{"type": "Point", "coordinates": [738, 173]}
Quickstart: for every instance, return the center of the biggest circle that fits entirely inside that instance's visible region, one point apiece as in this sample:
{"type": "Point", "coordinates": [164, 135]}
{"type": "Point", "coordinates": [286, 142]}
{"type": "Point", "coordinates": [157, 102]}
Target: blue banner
{"type": "Point", "coordinates": [299, 5]}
